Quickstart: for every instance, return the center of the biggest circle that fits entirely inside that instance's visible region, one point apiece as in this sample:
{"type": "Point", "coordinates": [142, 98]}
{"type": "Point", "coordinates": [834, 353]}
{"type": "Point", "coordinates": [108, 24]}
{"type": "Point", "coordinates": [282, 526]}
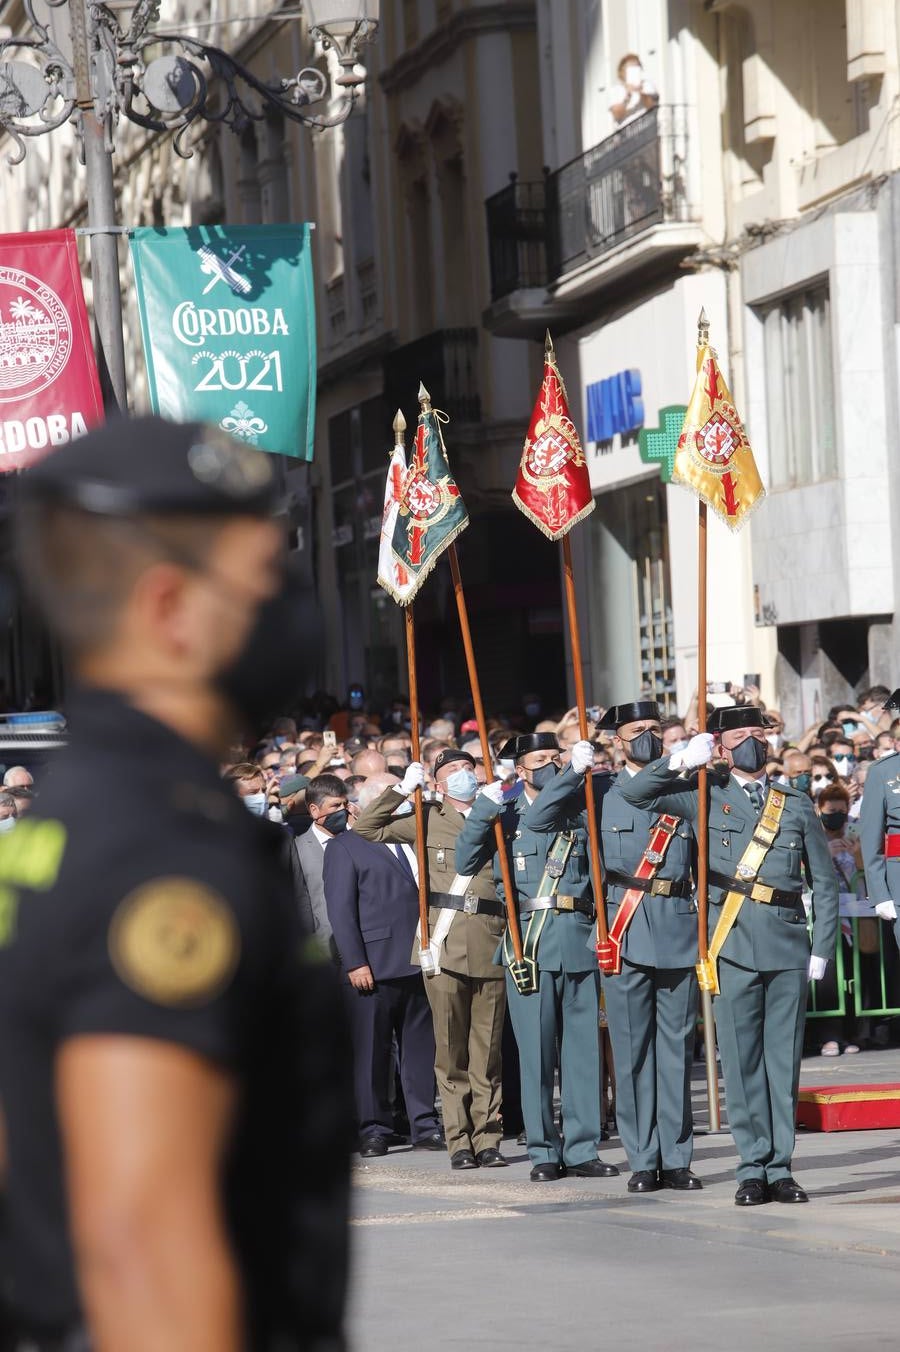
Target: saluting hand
{"type": "Point", "coordinates": [493, 793]}
{"type": "Point", "coordinates": [699, 751]}
{"type": "Point", "coordinates": [413, 779]}
{"type": "Point", "coordinates": [582, 757]}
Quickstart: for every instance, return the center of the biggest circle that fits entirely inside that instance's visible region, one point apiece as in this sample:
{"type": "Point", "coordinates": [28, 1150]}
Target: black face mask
{"type": "Point", "coordinates": [398, 770]}
{"type": "Point", "coordinates": [268, 673]}
{"type": "Point", "coordinates": [335, 822]}
{"type": "Point", "coordinates": [834, 821]}
{"type": "Point", "coordinates": [647, 746]}
{"type": "Point", "coordinates": [750, 755]}
{"type": "Point", "coordinates": [542, 777]}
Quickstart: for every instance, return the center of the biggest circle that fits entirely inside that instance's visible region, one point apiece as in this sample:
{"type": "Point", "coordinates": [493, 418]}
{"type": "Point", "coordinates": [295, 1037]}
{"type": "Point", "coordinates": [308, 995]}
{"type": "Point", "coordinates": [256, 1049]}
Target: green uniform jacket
{"type": "Point", "coordinates": [880, 812]}
{"type": "Point", "coordinates": [765, 938]}
{"type": "Point", "coordinates": [568, 939]}
{"type": "Point", "coordinates": [472, 941]}
{"type": "Point", "coordinates": [663, 930]}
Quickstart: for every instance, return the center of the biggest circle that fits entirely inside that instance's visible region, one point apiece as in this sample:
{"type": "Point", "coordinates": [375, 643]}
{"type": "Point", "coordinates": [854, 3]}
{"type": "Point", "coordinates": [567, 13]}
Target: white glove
{"type": "Point", "coordinates": [699, 751]}
{"type": "Point", "coordinates": [413, 779]}
{"type": "Point", "coordinates": [493, 793]}
{"type": "Point", "coordinates": [582, 757]}
{"type": "Point", "coordinates": [817, 967]}
{"type": "Point", "coordinates": [885, 910]}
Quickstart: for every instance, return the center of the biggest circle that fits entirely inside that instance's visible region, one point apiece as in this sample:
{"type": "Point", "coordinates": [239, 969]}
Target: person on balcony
{"type": "Point", "coordinates": [633, 93]}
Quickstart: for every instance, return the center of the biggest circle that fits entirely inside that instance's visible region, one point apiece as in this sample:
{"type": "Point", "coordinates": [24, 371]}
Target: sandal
{"type": "Point", "coordinates": [830, 1049]}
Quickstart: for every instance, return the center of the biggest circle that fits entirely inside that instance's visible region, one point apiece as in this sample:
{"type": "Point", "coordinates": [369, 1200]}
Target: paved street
{"type": "Point", "coordinates": [490, 1260]}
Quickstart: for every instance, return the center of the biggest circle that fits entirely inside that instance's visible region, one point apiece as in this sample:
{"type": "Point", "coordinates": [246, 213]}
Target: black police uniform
{"type": "Point", "coordinates": [145, 901]}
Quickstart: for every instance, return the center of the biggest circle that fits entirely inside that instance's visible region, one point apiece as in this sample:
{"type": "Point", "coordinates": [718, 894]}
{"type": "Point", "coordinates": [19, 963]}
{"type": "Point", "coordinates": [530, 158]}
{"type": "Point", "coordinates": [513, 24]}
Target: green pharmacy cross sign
{"type": "Point", "coordinates": [658, 445]}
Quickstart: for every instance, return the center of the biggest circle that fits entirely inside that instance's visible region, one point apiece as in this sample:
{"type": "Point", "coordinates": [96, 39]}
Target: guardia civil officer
{"type": "Point", "coordinates": [879, 831]}
{"type": "Point", "coordinates": [651, 1003]}
{"type": "Point", "coordinates": [763, 839]}
{"type": "Point", "coordinates": [174, 1070]}
{"type": "Point", "coordinates": [558, 1023]}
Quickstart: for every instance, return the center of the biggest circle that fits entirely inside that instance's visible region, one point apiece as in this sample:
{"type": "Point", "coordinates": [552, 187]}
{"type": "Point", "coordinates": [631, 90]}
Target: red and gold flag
{"type": "Point", "coordinates": [714, 458]}
{"type": "Point", "coordinates": [553, 487]}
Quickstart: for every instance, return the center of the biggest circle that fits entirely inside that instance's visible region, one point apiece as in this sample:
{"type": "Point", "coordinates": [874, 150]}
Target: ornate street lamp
{"type": "Point", "coordinates": [92, 61]}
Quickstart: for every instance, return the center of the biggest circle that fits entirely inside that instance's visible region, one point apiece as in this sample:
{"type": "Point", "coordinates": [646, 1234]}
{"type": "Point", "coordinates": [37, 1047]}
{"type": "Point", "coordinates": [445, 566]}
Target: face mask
{"type": "Point", "coordinates": [821, 782]}
{"type": "Point", "coordinates": [884, 751]}
{"type": "Point", "coordinates": [844, 764]}
{"type": "Point", "coordinates": [834, 821]}
{"type": "Point", "coordinates": [335, 822]}
{"type": "Point", "coordinates": [749, 755]}
{"type": "Point", "coordinates": [850, 728]}
{"type": "Point", "coordinates": [280, 741]}
{"type": "Point", "coordinates": [646, 747]}
{"type": "Point", "coordinates": [396, 769]}
{"type": "Point", "coordinates": [801, 781]}
{"type": "Point", "coordinates": [7, 824]}
{"type": "Point", "coordinates": [677, 746]}
{"type": "Point", "coordinates": [405, 809]}
{"type": "Point", "coordinates": [270, 668]}
{"type": "Point", "coordinates": [542, 777]}
{"type": "Point", "coordinates": [775, 740]}
{"type": "Point", "coordinates": [356, 699]}
{"type": "Point", "coordinates": [255, 803]}
{"type": "Point", "coordinates": [532, 710]}
{"type": "Point", "coordinates": [462, 785]}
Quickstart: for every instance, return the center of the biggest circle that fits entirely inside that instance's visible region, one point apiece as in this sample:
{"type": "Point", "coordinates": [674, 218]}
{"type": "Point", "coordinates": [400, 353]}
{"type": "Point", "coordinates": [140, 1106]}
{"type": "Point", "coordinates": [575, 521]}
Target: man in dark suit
{"type": "Point", "coordinates": [373, 906]}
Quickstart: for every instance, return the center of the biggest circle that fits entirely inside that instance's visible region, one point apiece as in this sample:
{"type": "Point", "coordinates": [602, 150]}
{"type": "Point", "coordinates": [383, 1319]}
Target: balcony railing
{"type": "Point", "coordinates": [634, 179]}
{"type": "Point", "coordinates": [447, 363]}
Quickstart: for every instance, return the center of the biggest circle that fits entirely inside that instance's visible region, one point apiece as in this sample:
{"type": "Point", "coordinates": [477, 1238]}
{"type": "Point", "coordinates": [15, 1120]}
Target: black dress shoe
{"type": "Point", "coordinates": [593, 1169]}
{"type": "Point", "coordinates": [521, 1138]}
{"type": "Point", "coordinates": [786, 1190]}
{"type": "Point", "coordinates": [751, 1193]}
{"type": "Point", "coordinates": [547, 1173]}
{"type": "Point", "coordinates": [463, 1159]}
{"type": "Point", "coordinates": [433, 1141]}
{"type": "Point", "coordinates": [372, 1146]}
{"type": "Point", "coordinates": [644, 1180]}
{"type": "Point", "coordinates": [490, 1159]}
{"type": "Point", "coordinates": [682, 1180]}
{"type": "Point", "coordinates": [395, 1138]}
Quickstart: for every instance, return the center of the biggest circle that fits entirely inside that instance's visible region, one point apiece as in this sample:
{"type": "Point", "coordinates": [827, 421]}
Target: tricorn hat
{"type": "Point", "coordinates": [735, 716]}
{"type": "Point", "coordinates": [619, 714]}
{"type": "Point", "coordinates": [528, 741]}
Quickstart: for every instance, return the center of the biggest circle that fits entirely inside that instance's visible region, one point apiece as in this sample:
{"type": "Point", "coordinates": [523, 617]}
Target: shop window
{"type": "Point", "coordinates": [800, 388]}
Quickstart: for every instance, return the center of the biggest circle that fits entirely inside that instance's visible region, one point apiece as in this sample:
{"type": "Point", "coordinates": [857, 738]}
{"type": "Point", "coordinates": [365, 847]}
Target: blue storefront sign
{"type": "Point", "coordinates": [614, 405]}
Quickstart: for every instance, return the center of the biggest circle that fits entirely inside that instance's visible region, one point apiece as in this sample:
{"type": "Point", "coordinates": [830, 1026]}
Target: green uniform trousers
{"type": "Point", "coordinates": [759, 1020]}
{"type": "Point", "coordinates": [468, 1013]}
{"type": "Point", "coordinates": [651, 1013]}
{"type": "Point", "coordinates": [558, 1024]}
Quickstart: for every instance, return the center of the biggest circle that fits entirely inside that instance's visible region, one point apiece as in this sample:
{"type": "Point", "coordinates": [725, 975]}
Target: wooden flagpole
{"type": "Point", "coordinates": [421, 851]}
{"type": "Point", "coordinates": [593, 833]}
{"type": "Point", "coordinates": [706, 1005]}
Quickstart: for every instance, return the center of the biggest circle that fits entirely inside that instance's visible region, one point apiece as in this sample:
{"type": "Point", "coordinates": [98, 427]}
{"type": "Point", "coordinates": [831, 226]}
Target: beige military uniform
{"type": "Point", "coordinates": [468, 996]}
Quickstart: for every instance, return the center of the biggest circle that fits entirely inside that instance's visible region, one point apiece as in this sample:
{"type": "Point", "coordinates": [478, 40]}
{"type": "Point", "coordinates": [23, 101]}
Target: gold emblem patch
{"type": "Point", "coordinates": [174, 941]}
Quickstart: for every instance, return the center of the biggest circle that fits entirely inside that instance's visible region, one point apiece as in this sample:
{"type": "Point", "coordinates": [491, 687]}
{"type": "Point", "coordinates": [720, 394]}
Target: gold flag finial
{"type": "Point", "coordinates": [424, 399]}
{"type": "Point", "coordinates": [702, 328]}
{"type": "Point", "coordinates": [548, 345]}
{"type": "Point", "coordinates": [399, 427]}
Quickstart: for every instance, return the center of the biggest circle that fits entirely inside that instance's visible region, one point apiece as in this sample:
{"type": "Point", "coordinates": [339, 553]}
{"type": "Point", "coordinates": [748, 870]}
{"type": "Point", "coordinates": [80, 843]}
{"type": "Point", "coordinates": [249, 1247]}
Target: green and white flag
{"type": "Point", "coordinates": [431, 512]}
{"type": "Point", "coordinates": [229, 329]}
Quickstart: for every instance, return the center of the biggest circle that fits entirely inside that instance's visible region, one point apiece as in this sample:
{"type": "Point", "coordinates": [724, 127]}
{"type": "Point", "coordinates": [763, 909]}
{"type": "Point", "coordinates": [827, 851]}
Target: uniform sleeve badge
{"type": "Point", "coordinates": [174, 941]}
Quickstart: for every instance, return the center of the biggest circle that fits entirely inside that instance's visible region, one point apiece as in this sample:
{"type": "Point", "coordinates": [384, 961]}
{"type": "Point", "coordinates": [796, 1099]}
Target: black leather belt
{"type": "Point", "coordinates": [657, 887]}
{"type": "Point", "coordinates": [755, 891]}
{"type": "Point", "coordinates": [558, 902]}
{"type": "Point", "coordinates": [468, 903]}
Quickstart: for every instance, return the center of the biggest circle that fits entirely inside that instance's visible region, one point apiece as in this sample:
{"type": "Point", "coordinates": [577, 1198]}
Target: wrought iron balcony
{"type": "Point", "coordinates": [633, 180]}
{"type": "Point", "coordinates": [446, 361]}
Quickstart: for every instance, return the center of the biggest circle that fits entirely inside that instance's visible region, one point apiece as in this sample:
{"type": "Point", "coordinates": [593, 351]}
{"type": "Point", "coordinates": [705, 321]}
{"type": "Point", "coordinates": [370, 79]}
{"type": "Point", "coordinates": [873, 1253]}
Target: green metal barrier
{"type": "Point", "coordinates": [873, 989]}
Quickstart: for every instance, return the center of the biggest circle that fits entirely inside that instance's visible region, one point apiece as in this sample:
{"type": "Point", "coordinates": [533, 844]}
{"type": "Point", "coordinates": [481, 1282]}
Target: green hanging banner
{"type": "Point", "coordinates": [229, 328]}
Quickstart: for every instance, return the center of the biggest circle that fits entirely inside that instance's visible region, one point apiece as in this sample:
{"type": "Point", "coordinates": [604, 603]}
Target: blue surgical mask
{"type": "Point", "coordinates": [255, 803]}
{"type": "Point", "coordinates": [7, 824]}
{"type": "Point", "coordinates": [461, 785]}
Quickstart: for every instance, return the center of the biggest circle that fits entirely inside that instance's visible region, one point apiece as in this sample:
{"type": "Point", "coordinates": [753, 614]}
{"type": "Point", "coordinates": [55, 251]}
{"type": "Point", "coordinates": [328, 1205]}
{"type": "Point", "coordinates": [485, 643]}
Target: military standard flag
{"type": "Point", "coordinates": [431, 512]}
{"type": "Point", "coordinates": [553, 486]}
{"type": "Point", "coordinates": [714, 458]}
{"type": "Point", "coordinates": [392, 575]}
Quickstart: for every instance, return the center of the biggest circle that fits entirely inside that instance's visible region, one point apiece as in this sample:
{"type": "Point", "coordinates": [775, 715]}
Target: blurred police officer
{"type": "Point", "coordinates": [651, 1003]}
{"type": "Point", "coordinates": [763, 838]}
{"type": "Point", "coordinates": [169, 1184]}
{"type": "Point", "coordinates": [879, 831]}
{"type": "Point", "coordinates": [558, 1023]}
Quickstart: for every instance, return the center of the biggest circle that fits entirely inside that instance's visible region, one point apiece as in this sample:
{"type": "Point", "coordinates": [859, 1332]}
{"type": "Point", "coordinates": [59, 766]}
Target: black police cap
{"type": "Point", "coordinates": [735, 716]}
{"type": "Point", "coordinates": [520, 746]}
{"type": "Point", "coordinates": [892, 703]}
{"type": "Point", "coordinates": [447, 756]}
{"type": "Point", "coordinates": [635, 712]}
{"type": "Point", "coordinates": [144, 466]}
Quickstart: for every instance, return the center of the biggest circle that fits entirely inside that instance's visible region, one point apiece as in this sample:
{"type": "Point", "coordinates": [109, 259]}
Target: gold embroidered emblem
{"type": "Point", "coordinates": [174, 941]}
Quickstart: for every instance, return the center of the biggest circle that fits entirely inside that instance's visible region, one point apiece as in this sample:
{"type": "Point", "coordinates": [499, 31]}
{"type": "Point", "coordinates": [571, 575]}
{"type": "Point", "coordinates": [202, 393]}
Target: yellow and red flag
{"type": "Point", "coordinates": [553, 487]}
{"type": "Point", "coordinates": [714, 456]}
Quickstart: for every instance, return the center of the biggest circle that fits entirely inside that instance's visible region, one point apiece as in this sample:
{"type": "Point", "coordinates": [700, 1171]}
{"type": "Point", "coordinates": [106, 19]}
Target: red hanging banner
{"type": "Point", "coordinates": [49, 389]}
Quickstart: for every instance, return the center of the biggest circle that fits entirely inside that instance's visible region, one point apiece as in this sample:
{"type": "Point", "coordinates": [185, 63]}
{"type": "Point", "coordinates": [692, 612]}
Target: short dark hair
{"type": "Point", "coordinates": [324, 786]}
{"type": "Point", "coordinates": [673, 721]}
{"type": "Point", "coordinates": [243, 771]}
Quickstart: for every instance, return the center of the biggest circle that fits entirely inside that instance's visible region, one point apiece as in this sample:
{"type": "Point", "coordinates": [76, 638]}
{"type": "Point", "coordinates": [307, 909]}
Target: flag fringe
{"type": "Point", "coordinates": [399, 597]}
{"type": "Point", "coordinates": [715, 507]}
{"type": "Point", "coordinates": [429, 567]}
{"type": "Point", "coordinates": [542, 526]}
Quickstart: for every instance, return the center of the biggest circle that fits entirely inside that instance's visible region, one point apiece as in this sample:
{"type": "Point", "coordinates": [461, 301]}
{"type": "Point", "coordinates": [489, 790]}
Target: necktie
{"type": "Point", "coordinates": [404, 861]}
{"type": "Point", "coordinates": [754, 792]}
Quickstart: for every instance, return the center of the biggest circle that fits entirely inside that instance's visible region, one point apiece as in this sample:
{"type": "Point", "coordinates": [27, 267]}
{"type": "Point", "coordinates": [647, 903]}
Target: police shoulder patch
{"type": "Point", "coordinates": [175, 941]}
